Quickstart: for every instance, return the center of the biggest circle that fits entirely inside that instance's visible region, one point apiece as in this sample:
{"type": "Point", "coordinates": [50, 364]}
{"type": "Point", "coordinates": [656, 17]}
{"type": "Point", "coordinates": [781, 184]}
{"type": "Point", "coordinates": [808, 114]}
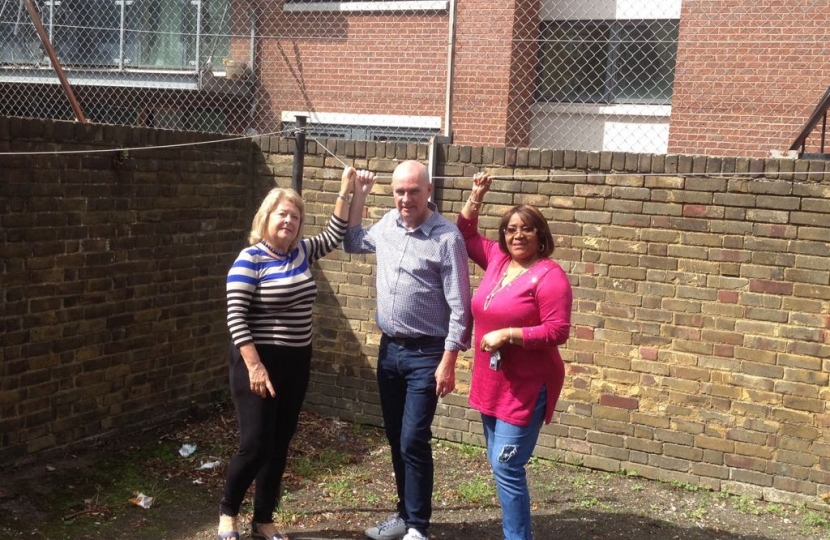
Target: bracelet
{"type": "Point", "coordinates": [344, 197]}
{"type": "Point", "coordinates": [511, 335]}
{"type": "Point", "coordinates": [473, 202]}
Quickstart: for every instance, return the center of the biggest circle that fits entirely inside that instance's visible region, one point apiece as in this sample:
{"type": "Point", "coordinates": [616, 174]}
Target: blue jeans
{"type": "Point", "coordinates": [406, 382]}
{"type": "Point", "coordinates": [509, 448]}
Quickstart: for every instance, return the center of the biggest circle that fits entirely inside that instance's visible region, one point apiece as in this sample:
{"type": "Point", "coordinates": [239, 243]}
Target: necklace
{"type": "Point", "coordinates": [501, 285]}
{"type": "Point", "coordinates": [273, 249]}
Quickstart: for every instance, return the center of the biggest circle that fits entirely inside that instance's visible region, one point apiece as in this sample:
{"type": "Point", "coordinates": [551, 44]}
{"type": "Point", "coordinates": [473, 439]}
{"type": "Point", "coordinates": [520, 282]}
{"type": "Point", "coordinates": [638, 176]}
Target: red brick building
{"type": "Point", "coordinates": [736, 77]}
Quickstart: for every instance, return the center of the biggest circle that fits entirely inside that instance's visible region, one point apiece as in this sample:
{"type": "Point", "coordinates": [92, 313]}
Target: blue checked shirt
{"type": "Point", "coordinates": [423, 281]}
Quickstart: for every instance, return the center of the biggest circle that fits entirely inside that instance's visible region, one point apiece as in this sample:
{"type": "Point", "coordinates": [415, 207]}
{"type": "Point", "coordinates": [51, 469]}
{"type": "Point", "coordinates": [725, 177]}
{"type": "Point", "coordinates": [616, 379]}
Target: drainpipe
{"type": "Point", "coordinates": [253, 87]}
{"type": "Point", "coordinates": [446, 138]}
{"type": "Point", "coordinates": [450, 71]}
{"type": "Point", "coordinates": [198, 36]}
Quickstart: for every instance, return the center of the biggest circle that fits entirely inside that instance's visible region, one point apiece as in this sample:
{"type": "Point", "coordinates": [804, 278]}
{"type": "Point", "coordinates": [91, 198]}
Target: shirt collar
{"type": "Point", "coordinates": [426, 227]}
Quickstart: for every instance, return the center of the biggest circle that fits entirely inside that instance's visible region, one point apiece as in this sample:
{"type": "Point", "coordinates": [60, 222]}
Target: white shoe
{"type": "Point", "coordinates": [413, 534]}
{"type": "Point", "coordinates": [392, 529]}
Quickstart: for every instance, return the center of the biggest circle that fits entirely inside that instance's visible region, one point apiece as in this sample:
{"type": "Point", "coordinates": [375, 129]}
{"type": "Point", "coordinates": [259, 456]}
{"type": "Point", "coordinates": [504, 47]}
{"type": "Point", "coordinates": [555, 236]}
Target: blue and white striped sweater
{"type": "Point", "coordinates": [270, 300]}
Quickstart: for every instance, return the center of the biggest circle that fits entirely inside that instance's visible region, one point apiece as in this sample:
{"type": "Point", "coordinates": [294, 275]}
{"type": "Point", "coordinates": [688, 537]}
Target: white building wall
{"type": "Point", "coordinates": [618, 128]}
{"type": "Point", "coordinates": [552, 10]}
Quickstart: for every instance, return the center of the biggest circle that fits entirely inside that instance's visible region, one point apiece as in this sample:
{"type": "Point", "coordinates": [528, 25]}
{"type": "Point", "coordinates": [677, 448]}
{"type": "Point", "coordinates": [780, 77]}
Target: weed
{"type": "Point", "coordinates": [340, 491]}
{"type": "Point", "coordinates": [637, 487]}
{"type": "Point", "coordinates": [698, 513]}
{"type": "Point", "coordinates": [313, 466]}
{"type": "Point", "coordinates": [580, 482]}
{"type": "Point", "coordinates": [814, 519]}
{"type": "Point", "coordinates": [745, 505]}
{"type": "Point", "coordinates": [362, 430]}
{"type": "Point", "coordinates": [588, 502]}
{"type": "Point", "coordinates": [723, 494]}
{"type": "Point", "coordinates": [549, 487]}
{"type": "Point", "coordinates": [284, 516]}
{"type": "Point", "coordinates": [469, 451]}
{"type": "Point", "coordinates": [686, 486]}
{"type": "Point", "coordinates": [303, 466]}
{"type": "Point", "coordinates": [476, 490]}
{"type": "Point", "coordinates": [776, 510]}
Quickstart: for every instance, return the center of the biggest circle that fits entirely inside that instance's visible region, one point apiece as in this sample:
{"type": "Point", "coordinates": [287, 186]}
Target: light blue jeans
{"type": "Point", "coordinates": [509, 448]}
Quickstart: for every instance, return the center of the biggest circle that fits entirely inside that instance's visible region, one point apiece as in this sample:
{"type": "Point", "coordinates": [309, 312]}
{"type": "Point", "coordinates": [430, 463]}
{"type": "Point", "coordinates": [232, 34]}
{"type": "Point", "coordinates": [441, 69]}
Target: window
{"type": "Point", "coordinates": [365, 127]}
{"type": "Point", "coordinates": [364, 133]}
{"type": "Point", "coordinates": [19, 43]}
{"type": "Point", "coordinates": [607, 61]}
{"type": "Point", "coordinates": [157, 34]}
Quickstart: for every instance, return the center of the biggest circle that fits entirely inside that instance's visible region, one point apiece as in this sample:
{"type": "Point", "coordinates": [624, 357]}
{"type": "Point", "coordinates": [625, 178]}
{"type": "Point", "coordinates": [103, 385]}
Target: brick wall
{"type": "Point", "coordinates": [699, 350]}
{"type": "Point", "coordinates": [111, 278]}
{"type": "Point", "coordinates": [747, 75]}
{"type": "Point", "coordinates": [334, 62]}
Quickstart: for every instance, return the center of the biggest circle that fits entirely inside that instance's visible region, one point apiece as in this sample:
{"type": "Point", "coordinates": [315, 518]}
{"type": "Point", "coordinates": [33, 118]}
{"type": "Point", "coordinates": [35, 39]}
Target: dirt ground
{"type": "Point", "coordinates": [339, 482]}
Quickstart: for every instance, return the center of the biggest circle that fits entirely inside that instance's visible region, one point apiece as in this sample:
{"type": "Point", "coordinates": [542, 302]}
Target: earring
{"type": "Point", "coordinates": [541, 248]}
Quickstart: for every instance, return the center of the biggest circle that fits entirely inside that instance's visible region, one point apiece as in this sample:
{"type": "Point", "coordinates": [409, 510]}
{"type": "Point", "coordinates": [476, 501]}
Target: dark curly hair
{"type": "Point", "coordinates": [534, 218]}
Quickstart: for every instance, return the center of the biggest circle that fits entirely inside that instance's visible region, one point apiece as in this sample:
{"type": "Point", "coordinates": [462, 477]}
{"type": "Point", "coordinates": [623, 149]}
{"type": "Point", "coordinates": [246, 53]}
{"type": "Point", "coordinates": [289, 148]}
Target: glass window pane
{"type": "Point", "coordinates": [216, 30]}
{"type": "Point", "coordinates": [607, 61]}
{"type": "Point", "coordinates": [19, 42]}
{"type": "Point", "coordinates": [161, 34]}
{"type": "Point", "coordinates": [573, 56]}
{"type": "Point", "coordinates": [645, 61]}
{"type": "Point", "coordinates": [87, 32]}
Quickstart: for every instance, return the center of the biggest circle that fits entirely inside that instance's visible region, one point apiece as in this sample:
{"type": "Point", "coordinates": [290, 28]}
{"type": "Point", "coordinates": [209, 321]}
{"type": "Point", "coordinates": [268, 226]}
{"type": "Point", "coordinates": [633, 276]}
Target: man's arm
{"type": "Point", "coordinates": [456, 282]}
{"type": "Point", "coordinates": [455, 276]}
{"type": "Point", "coordinates": [445, 374]}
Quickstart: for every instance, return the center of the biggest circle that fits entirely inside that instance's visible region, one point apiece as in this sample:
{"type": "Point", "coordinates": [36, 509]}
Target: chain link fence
{"type": "Point", "coordinates": [658, 76]}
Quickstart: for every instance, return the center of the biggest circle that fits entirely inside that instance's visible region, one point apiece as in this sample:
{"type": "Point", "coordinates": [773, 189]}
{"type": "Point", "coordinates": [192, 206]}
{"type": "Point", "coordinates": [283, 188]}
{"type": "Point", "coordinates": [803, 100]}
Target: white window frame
{"type": "Point", "coordinates": [349, 121]}
{"type": "Point", "coordinates": [358, 7]}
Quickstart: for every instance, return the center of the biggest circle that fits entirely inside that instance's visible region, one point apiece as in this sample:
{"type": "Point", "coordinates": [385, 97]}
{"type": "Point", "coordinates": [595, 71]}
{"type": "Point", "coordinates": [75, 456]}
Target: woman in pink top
{"type": "Point", "coordinates": [522, 313]}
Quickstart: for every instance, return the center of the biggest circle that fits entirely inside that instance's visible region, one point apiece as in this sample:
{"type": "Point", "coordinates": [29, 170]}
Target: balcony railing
{"type": "Point", "coordinates": [118, 35]}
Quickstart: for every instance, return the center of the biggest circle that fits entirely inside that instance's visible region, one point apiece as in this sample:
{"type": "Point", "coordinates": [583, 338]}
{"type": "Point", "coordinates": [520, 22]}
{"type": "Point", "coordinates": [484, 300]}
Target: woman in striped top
{"type": "Point", "coordinates": [270, 291]}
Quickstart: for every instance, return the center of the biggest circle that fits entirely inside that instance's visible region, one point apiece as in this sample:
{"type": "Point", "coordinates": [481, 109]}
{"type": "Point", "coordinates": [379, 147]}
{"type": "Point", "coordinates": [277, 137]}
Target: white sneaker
{"type": "Point", "coordinates": [392, 529]}
{"type": "Point", "coordinates": [413, 534]}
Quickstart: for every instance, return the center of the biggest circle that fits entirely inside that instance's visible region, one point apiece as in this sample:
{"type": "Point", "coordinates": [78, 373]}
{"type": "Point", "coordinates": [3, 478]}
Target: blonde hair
{"type": "Point", "coordinates": [274, 197]}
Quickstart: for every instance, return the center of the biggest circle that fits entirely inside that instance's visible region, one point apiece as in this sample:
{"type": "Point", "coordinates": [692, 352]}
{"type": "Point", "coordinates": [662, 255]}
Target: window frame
{"type": "Point", "coordinates": [359, 6]}
{"type": "Point", "coordinates": [365, 127]}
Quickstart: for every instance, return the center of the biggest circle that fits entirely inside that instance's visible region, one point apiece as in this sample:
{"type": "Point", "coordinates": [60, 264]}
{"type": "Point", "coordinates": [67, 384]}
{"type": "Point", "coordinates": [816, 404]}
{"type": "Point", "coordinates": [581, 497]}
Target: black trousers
{"type": "Point", "coordinates": [266, 426]}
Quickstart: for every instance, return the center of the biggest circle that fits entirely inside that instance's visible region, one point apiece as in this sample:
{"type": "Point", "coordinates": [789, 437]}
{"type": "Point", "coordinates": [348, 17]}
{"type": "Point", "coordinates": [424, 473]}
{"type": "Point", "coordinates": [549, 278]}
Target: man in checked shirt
{"type": "Point", "coordinates": [423, 310]}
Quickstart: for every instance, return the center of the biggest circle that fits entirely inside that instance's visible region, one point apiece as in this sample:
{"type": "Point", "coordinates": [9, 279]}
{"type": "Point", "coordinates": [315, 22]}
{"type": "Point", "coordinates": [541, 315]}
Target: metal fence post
{"type": "Point", "coordinates": [299, 155]}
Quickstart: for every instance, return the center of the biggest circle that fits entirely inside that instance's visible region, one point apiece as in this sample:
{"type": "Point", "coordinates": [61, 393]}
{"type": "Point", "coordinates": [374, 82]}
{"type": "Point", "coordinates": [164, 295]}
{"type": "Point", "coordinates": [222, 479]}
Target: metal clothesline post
{"type": "Point", "coordinates": [47, 44]}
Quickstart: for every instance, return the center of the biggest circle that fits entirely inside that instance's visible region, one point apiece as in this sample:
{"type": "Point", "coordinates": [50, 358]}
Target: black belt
{"type": "Point", "coordinates": [419, 341]}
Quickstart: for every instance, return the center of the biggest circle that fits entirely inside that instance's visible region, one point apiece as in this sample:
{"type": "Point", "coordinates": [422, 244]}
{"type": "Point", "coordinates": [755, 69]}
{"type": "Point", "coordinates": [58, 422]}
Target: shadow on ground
{"type": "Point", "coordinates": [339, 482]}
{"type": "Point", "coordinates": [567, 525]}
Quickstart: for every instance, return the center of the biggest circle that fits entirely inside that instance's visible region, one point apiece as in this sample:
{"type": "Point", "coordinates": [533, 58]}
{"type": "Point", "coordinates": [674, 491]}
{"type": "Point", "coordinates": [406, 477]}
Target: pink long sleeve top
{"type": "Point", "coordinates": [538, 304]}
